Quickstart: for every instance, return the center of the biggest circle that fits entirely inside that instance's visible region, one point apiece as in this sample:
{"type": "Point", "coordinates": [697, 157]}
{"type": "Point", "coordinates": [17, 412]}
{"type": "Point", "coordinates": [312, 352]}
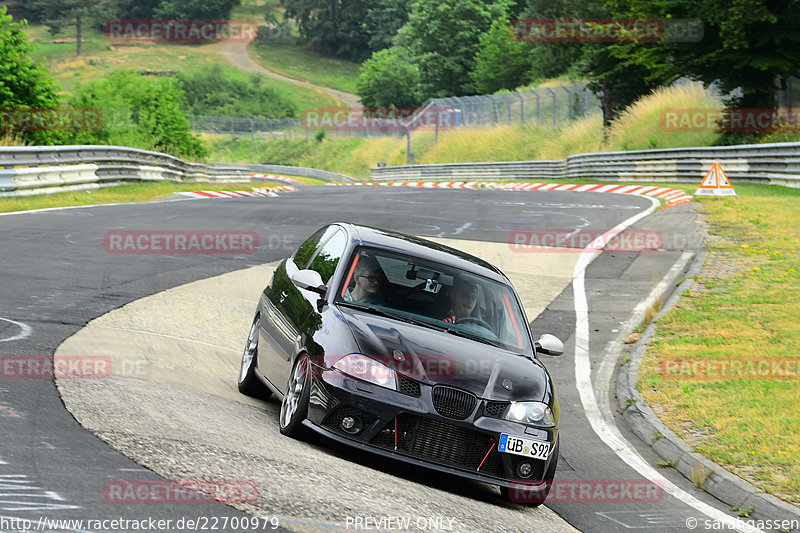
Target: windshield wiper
{"type": "Point", "coordinates": [478, 338]}
{"type": "Point", "coordinates": [380, 312]}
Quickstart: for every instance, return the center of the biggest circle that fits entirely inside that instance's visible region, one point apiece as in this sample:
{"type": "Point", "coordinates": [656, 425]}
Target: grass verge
{"type": "Point", "coordinates": [128, 193]}
{"type": "Point", "coordinates": [742, 311]}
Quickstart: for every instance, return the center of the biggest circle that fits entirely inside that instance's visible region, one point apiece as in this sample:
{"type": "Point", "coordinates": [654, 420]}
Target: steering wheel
{"type": "Point", "coordinates": [473, 320]}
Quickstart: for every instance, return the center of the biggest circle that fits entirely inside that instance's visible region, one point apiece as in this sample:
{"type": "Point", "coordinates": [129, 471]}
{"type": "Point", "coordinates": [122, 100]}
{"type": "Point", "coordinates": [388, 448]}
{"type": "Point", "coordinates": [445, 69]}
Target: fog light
{"type": "Point", "coordinates": [351, 424]}
{"type": "Point", "coordinates": [524, 470]}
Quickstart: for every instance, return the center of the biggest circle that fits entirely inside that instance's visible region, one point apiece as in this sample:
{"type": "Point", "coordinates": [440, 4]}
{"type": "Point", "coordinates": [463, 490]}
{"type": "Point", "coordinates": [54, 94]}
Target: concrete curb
{"type": "Point", "coordinates": [723, 485]}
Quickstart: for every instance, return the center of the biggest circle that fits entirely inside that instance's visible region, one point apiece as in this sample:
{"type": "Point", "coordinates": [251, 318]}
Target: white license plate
{"type": "Point", "coordinates": [522, 446]}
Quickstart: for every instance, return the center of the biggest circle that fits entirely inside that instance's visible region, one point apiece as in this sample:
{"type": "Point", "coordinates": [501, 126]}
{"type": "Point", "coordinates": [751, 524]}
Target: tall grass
{"type": "Point", "coordinates": [642, 125]}
{"type": "Point", "coordinates": [637, 128]}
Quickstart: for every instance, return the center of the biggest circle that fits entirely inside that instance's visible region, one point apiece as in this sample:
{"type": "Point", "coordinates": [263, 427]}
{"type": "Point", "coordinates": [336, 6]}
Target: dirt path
{"type": "Point", "coordinates": [236, 53]}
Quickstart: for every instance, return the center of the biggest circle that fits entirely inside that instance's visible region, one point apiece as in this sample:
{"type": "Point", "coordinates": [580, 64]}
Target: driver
{"type": "Point", "coordinates": [463, 298]}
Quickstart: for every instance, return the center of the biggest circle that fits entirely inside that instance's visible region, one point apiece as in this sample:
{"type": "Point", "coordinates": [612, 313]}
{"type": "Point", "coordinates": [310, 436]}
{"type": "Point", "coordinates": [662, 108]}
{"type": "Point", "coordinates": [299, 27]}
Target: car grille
{"type": "Point", "coordinates": [494, 409]}
{"type": "Point", "coordinates": [410, 387]}
{"type": "Point", "coordinates": [443, 443]}
{"type": "Point", "coordinates": [453, 403]}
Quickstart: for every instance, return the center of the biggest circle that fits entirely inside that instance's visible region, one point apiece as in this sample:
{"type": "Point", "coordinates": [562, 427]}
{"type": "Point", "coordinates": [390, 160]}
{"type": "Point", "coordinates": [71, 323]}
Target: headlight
{"type": "Point", "coordinates": [363, 367]}
{"type": "Point", "coordinates": [536, 413]}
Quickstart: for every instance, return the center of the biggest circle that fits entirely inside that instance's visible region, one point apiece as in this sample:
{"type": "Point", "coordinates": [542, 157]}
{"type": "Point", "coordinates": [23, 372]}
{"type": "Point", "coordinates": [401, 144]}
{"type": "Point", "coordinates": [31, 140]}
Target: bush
{"type": "Point", "coordinates": [389, 79]}
{"type": "Point", "coordinates": [220, 92]}
{"type": "Point", "coordinates": [140, 112]}
{"type": "Point", "coordinates": [24, 83]}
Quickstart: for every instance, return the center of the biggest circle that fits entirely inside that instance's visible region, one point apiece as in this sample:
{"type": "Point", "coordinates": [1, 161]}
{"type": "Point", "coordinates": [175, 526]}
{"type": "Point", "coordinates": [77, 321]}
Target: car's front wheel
{"type": "Point", "coordinates": [249, 383]}
{"type": "Point", "coordinates": [294, 407]}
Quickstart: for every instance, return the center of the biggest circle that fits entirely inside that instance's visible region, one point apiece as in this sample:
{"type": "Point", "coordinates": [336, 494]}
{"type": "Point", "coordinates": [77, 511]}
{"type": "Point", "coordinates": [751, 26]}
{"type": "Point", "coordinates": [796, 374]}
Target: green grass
{"type": "Point", "coordinates": [301, 63]}
{"type": "Point", "coordinates": [745, 309]}
{"type": "Point", "coordinates": [100, 58]}
{"type": "Point", "coordinates": [128, 193]}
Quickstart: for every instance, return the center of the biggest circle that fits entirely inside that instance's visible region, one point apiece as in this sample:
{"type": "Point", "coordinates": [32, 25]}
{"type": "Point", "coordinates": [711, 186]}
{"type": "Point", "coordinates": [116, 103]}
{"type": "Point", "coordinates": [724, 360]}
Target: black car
{"type": "Point", "coordinates": [408, 349]}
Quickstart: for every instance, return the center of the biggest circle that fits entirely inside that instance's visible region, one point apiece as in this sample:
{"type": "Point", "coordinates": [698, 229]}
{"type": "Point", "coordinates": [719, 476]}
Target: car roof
{"type": "Point", "coordinates": [422, 248]}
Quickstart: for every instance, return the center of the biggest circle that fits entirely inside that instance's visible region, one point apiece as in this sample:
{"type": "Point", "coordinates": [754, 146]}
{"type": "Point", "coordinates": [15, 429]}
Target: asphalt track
{"type": "Point", "coordinates": [57, 277]}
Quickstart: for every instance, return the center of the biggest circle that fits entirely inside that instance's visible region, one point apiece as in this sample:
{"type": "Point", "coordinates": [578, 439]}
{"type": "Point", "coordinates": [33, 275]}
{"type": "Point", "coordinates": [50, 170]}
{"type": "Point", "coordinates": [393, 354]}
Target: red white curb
{"type": "Point", "coordinates": [271, 193]}
{"type": "Point", "coordinates": [275, 177]}
{"type": "Point", "coordinates": [672, 196]}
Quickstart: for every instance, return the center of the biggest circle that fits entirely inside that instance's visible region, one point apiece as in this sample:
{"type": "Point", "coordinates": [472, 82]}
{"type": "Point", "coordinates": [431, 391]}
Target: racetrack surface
{"type": "Point", "coordinates": [60, 278]}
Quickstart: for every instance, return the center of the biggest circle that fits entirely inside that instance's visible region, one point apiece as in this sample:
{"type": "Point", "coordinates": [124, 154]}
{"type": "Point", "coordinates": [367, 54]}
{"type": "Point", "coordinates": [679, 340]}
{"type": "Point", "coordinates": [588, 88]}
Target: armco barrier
{"type": "Point", "coordinates": [30, 170]}
{"type": "Point", "coordinates": [777, 164]}
{"type": "Point", "coordinates": [26, 170]}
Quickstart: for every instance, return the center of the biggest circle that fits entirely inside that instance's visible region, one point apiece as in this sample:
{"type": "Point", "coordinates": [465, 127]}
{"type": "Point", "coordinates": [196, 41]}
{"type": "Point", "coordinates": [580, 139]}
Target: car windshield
{"type": "Point", "coordinates": [435, 295]}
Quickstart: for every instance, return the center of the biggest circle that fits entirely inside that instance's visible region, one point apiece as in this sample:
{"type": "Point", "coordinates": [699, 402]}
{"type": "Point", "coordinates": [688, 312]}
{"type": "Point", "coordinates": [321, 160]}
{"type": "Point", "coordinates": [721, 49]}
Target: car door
{"type": "Point", "coordinates": [285, 308]}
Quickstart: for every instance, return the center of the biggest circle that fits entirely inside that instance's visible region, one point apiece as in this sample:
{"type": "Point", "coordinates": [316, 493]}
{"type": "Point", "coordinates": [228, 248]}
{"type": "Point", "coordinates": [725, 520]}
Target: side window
{"type": "Point", "coordinates": [328, 257]}
{"type": "Point", "coordinates": [306, 251]}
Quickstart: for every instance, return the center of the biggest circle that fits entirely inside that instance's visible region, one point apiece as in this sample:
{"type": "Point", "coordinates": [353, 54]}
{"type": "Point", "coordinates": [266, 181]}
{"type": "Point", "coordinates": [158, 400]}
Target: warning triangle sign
{"type": "Point", "coordinates": [716, 183]}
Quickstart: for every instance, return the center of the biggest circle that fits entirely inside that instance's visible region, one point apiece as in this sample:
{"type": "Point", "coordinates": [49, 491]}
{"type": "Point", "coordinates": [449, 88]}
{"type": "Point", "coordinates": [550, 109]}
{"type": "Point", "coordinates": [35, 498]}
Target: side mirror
{"type": "Point", "coordinates": [309, 280]}
{"type": "Point", "coordinates": [549, 345]}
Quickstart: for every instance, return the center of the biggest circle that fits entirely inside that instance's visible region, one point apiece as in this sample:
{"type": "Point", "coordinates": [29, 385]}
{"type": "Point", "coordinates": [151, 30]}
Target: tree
{"type": "Point", "coordinates": [443, 37]}
{"type": "Point", "coordinates": [615, 81]}
{"type": "Point", "coordinates": [501, 62]}
{"type": "Point", "coordinates": [23, 82]}
{"type": "Point", "coordinates": [384, 19]}
{"type": "Point", "coordinates": [138, 111]}
{"type": "Point", "coordinates": [389, 79]}
{"type": "Point", "coordinates": [137, 9]}
{"type": "Point", "coordinates": [333, 27]}
{"type": "Point", "coordinates": [56, 14]}
{"type": "Point", "coordinates": [747, 44]}
{"type": "Point", "coordinates": [194, 9]}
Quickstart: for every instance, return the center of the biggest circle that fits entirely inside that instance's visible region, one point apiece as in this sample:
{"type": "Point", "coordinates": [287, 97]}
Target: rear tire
{"type": "Point", "coordinates": [249, 384]}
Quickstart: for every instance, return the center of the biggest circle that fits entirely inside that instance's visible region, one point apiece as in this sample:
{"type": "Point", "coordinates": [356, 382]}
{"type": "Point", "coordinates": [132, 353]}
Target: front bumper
{"type": "Point", "coordinates": [406, 426]}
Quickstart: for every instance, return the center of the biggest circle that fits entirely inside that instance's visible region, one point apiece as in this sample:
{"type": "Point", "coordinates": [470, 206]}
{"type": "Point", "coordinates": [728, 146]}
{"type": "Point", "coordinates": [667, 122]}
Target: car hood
{"type": "Point", "coordinates": [438, 357]}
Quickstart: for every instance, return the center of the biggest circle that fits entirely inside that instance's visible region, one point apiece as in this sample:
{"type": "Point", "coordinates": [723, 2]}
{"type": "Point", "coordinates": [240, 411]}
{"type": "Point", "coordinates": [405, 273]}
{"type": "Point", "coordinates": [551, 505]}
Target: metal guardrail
{"type": "Point", "coordinates": [761, 163]}
{"type": "Point", "coordinates": [300, 171]}
{"type": "Point", "coordinates": [27, 170]}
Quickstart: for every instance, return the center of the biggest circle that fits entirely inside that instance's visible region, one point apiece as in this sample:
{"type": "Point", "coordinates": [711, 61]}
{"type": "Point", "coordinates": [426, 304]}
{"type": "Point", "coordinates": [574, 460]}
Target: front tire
{"type": "Point", "coordinates": [294, 406]}
{"type": "Point", "coordinates": [248, 382]}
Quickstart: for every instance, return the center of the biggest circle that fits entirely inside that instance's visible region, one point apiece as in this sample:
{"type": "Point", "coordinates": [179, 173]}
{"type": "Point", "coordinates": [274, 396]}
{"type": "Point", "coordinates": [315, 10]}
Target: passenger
{"type": "Point", "coordinates": [367, 276]}
{"type": "Point", "coordinates": [463, 298]}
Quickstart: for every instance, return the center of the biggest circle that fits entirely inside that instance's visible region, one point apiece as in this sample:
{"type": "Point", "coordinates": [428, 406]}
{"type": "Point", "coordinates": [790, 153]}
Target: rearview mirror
{"type": "Point", "coordinates": [549, 345]}
{"type": "Point", "coordinates": [309, 280]}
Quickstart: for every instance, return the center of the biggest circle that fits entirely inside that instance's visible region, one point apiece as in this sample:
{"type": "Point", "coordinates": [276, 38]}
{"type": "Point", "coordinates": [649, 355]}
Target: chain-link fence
{"type": "Point", "coordinates": [549, 106]}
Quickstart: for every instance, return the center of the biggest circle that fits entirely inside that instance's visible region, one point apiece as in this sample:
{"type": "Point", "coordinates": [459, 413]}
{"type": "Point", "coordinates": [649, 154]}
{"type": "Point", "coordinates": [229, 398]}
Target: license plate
{"type": "Point", "coordinates": [522, 446]}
